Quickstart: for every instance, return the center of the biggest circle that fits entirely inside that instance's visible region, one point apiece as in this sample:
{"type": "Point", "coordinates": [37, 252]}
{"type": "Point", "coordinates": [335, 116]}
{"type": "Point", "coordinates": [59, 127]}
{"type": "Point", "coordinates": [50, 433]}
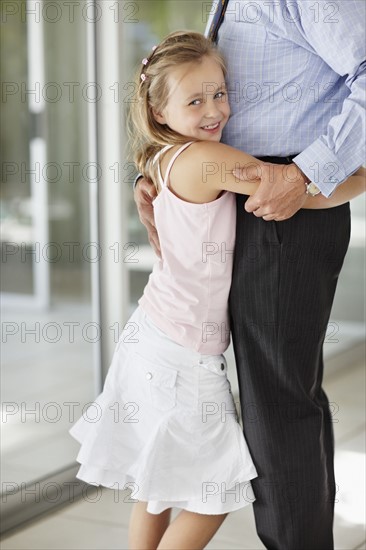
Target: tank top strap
{"type": "Point", "coordinates": [155, 159]}
{"type": "Point", "coordinates": [172, 160]}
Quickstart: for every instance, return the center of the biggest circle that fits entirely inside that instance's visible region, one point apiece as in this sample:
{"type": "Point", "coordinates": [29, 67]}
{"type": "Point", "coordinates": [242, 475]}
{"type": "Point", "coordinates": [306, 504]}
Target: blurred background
{"type": "Point", "coordinates": [74, 255]}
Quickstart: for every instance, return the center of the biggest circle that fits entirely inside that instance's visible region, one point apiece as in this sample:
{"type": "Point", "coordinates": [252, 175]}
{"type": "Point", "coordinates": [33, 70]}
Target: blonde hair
{"type": "Point", "coordinates": [146, 135]}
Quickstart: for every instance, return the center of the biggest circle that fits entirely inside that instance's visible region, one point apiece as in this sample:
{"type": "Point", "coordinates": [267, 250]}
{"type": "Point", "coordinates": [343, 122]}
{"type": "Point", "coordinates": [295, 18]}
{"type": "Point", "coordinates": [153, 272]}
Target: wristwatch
{"type": "Point", "coordinates": [312, 189]}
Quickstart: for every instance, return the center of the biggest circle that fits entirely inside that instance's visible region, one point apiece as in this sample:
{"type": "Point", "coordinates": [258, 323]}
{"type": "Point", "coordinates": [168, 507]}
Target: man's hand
{"type": "Point", "coordinates": [280, 194]}
{"type": "Point", "coordinates": [144, 194]}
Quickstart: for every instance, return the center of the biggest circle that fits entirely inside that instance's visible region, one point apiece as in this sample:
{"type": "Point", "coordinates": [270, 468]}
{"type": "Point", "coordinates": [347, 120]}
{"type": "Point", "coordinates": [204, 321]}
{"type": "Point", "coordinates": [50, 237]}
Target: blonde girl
{"type": "Point", "coordinates": [181, 444]}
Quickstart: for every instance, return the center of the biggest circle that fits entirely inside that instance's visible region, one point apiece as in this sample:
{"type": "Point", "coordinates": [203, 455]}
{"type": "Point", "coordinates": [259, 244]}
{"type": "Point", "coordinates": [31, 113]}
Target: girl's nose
{"type": "Point", "coordinates": [211, 109]}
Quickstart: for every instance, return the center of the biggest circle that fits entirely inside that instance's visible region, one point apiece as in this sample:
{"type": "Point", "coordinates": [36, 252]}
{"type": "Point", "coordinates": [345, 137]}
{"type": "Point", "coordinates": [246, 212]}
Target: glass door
{"type": "Point", "coordinates": [51, 333]}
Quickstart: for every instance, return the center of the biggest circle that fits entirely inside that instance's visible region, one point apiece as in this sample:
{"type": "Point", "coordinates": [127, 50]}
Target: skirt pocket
{"type": "Point", "coordinates": [158, 384]}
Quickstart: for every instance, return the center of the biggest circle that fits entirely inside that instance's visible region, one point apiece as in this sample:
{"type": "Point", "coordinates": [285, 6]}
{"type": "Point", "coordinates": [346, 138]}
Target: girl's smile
{"type": "Point", "coordinates": [212, 128]}
{"type": "Point", "coordinates": [198, 105]}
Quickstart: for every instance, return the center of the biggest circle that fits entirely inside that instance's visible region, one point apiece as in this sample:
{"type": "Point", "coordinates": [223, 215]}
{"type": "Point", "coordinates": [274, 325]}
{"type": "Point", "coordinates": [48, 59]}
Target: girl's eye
{"type": "Point", "coordinates": [220, 94]}
{"type": "Point", "coordinates": [195, 102]}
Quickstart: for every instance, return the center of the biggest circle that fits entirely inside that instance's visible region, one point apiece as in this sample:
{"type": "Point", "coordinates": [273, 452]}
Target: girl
{"type": "Point", "coordinates": [168, 426]}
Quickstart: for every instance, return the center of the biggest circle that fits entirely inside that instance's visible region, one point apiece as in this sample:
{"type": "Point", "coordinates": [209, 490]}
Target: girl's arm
{"type": "Point", "coordinates": [211, 164]}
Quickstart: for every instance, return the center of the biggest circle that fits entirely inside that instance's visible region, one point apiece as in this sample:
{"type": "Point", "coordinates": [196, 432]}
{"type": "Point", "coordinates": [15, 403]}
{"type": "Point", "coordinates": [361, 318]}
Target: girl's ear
{"type": "Point", "coordinates": [159, 117]}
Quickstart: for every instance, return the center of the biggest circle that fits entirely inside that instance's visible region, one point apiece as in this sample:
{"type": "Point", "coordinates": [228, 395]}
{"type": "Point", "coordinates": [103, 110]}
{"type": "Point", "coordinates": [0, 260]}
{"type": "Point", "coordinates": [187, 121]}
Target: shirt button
{"type": "Point", "coordinates": [149, 375]}
{"type": "Point", "coordinates": [222, 366]}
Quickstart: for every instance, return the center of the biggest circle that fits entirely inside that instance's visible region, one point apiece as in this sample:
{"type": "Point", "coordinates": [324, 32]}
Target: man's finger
{"type": "Point", "coordinates": [154, 241]}
{"type": "Point", "coordinates": [145, 189]}
{"type": "Point", "coordinates": [252, 204]}
{"type": "Point", "coordinates": [261, 212]}
{"type": "Point", "coordinates": [150, 192]}
{"type": "Point", "coordinates": [149, 224]}
{"type": "Point", "coordinates": [148, 188]}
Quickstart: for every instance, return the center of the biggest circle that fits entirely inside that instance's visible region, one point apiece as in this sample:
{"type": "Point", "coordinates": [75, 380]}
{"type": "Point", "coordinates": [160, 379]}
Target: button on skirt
{"type": "Point", "coordinates": [166, 427]}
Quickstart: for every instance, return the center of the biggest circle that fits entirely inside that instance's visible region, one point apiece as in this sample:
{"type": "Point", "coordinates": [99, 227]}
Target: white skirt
{"type": "Point", "coordinates": [165, 426]}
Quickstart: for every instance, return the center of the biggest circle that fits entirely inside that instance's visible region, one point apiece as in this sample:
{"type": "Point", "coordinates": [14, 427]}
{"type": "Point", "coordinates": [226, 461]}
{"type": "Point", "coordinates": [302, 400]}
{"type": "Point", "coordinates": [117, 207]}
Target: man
{"type": "Point", "coordinates": [296, 79]}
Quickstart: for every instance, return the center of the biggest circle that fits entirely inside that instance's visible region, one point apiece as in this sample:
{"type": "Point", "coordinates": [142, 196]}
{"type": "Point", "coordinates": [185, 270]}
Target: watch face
{"type": "Point", "coordinates": [313, 189]}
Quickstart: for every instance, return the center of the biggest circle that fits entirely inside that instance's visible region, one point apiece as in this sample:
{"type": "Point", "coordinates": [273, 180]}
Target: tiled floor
{"type": "Point", "coordinates": [103, 523]}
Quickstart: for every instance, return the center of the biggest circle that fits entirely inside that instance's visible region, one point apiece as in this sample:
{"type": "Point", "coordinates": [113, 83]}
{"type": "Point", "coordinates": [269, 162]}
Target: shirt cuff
{"type": "Point", "coordinates": [136, 180]}
{"type": "Point", "coordinates": [321, 166]}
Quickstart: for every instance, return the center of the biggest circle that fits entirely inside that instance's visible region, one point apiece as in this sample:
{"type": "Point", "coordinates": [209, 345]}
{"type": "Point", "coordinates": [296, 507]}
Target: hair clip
{"type": "Point", "coordinates": [145, 61]}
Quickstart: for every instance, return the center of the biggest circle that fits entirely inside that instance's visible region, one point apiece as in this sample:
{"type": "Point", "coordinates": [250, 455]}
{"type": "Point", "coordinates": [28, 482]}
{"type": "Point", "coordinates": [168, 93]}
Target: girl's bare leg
{"type": "Point", "coordinates": [190, 531]}
{"type": "Point", "coordinates": [145, 529]}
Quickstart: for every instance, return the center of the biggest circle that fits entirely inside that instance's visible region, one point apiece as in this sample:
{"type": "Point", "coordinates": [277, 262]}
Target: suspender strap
{"type": "Point", "coordinates": [217, 19]}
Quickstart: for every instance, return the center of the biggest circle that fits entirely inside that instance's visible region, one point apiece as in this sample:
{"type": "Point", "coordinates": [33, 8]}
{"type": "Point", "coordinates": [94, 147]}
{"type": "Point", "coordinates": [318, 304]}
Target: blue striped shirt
{"type": "Point", "coordinates": [297, 81]}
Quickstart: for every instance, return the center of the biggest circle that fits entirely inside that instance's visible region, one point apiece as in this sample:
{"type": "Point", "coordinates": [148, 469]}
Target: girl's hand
{"type": "Point", "coordinates": [144, 194]}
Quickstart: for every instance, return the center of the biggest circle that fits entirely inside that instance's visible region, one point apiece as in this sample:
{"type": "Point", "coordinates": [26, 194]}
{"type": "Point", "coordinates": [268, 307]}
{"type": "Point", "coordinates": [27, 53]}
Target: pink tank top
{"type": "Point", "coordinates": [187, 292]}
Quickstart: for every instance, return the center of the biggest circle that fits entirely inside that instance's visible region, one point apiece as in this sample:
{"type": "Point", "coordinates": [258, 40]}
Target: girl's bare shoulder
{"type": "Point", "coordinates": [186, 173]}
{"type": "Point", "coordinates": [201, 152]}
{"type": "Point", "coordinates": [202, 157]}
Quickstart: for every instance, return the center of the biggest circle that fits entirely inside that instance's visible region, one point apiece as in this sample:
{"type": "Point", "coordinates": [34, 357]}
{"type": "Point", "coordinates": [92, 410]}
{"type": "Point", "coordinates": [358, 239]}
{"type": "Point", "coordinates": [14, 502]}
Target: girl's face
{"type": "Point", "coordinates": [198, 103]}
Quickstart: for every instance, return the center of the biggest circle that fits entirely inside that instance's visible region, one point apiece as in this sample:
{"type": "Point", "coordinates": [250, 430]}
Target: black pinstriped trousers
{"type": "Point", "coordinates": [284, 279]}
